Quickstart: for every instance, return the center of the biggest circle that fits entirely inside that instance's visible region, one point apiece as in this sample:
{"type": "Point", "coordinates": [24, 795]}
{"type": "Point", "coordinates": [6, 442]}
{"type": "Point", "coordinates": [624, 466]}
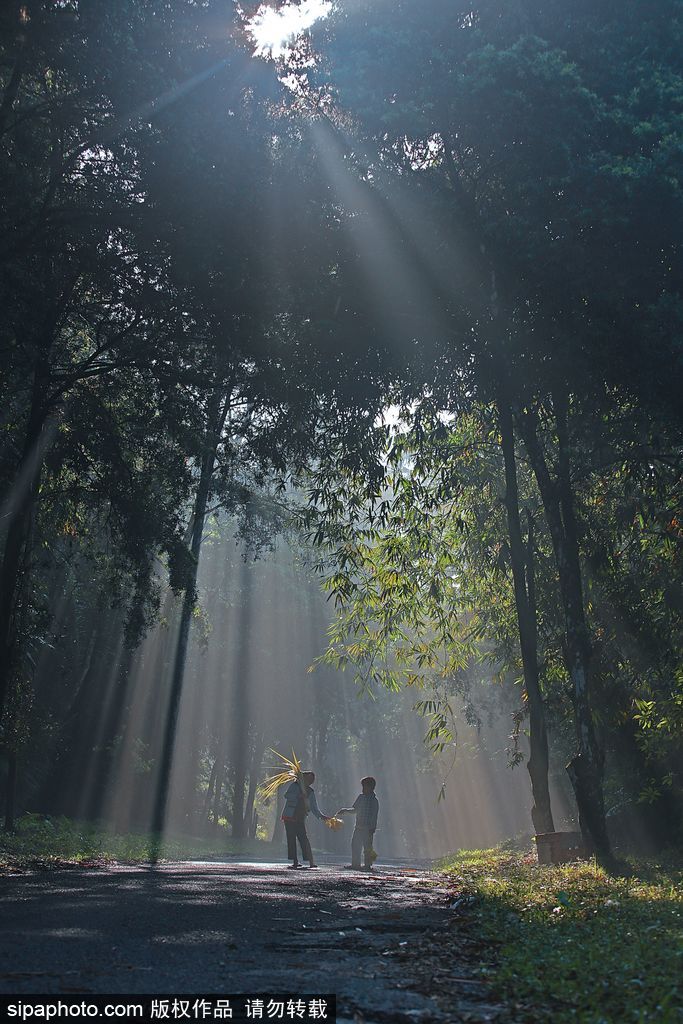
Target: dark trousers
{"type": "Point", "coordinates": [297, 830]}
{"type": "Point", "coordinates": [361, 840]}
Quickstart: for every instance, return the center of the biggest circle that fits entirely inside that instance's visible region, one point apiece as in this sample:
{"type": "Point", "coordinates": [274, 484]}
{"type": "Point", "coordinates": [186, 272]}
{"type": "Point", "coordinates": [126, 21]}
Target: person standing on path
{"type": "Point", "coordinates": [300, 798]}
{"type": "Point", "coordinates": [366, 809]}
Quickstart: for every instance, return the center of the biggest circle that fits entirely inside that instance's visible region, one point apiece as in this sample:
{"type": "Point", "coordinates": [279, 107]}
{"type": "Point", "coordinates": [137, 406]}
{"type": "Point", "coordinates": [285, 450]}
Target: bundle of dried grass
{"type": "Point", "coordinates": [292, 772]}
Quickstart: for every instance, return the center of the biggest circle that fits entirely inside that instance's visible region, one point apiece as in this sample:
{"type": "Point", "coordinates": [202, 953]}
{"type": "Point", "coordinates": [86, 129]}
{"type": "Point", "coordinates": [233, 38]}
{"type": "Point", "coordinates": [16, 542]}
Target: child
{"type": "Point", "coordinates": [366, 808]}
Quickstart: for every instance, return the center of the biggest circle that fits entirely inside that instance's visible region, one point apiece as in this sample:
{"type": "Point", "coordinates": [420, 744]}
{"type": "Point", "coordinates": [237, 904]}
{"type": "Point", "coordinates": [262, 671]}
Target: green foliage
{"type": "Point", "coordinates": [573, 943]}
{"type": "Point", "coordinates": [418, 566]}
{"type": "Point", "coordinates": [417, 561]}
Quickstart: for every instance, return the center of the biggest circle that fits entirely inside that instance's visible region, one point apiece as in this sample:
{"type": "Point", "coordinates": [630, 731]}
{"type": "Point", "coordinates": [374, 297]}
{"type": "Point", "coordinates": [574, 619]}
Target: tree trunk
{"type": "Point", "coordinates": [525, 603]}
{"type": "Point", "coordinates": [239, 783]}
{"type": "Point", "coordinates": [19, 511]}
{"type": "Point", "coordinates": [215, 422]}
{"type": "Point", "coordinates": [241, 724]}
{"type": "Point", "coordinates": [217, 793]}
{"type": "Point", "coordinates": [257, 756]}
{"type": "Point", "coordinates": [11, 792]}
{"type": "Point", "coordinates": [73, 750]}
{"type": "Point", "coordinates": [105, 764]}
{"type": "Point", "coordinates": [278, 827]}
{"type": "Point", "coordinates": [495, 359]}
{"type": "Point", "coordinates": [538, 762]}
{"type": "Point", "coordinates": [585, 770]}
{"type": "Point", "coordinates": [209, 793]}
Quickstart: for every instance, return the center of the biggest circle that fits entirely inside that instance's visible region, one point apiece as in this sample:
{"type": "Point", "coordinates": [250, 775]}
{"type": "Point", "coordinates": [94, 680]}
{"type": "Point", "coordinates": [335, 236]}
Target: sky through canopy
{"type": "Point", "coordinates": [273, 30]}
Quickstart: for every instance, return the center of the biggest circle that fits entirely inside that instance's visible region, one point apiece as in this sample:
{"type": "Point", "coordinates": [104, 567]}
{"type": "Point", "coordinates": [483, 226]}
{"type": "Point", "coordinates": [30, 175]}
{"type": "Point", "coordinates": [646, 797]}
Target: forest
{"type": "Point", "coordinates": [340, 405]}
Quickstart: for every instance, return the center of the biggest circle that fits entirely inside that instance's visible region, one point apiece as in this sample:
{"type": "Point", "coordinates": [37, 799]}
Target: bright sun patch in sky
{"type": "Point", "coordinates": [273, 30]}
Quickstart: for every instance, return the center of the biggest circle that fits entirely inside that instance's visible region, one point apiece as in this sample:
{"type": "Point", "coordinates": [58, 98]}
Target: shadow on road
{"type": "Point", "coordinates": [244, 927]}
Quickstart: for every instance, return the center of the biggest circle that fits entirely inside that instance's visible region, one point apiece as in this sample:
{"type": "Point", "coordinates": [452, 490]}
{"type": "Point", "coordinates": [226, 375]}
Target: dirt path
{"type": "Point", "coordinates": [388, 944]}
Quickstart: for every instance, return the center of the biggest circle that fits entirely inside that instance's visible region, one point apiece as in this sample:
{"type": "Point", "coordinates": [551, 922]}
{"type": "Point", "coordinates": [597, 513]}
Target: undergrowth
{"type": "Point", "coordinates": [575, 944]}
{"type": "Point", "coordinates": [41, 841]}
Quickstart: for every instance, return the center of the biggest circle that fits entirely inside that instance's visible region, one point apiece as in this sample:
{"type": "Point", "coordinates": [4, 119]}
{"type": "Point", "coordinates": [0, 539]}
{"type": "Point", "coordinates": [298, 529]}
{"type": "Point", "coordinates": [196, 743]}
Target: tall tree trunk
{"type": "Point", "coordinates": [107, 760]}
{"type": "Point", "coordinates": [218, 792]}
{"type": "Point", "coordinates": [585, 770]}
{"type": "Point", "coordinates": [538, 736]}
{"type": "Point", "coordinates": [76, 735]}
{"type": "Point", "coordinates": [256, 758]}
{"type": "Point", "coordinates": [241, 722]}
{"type": "Point", "coordinates": [239, 782]}
{"type": "Point", "coordinates": [525, 604]}
{"type": "Point", "coordinates": [11, 791]}
{"type": "Point", "coordinates": [495, 360]}
{"type": "Point", "coordinates": [19, 510]}
{"type": "Point", "coordinates": [215, 422]}
{"type": "Point", "coordinates": [209, 793]}
{"type": "Point", "coordinates": [278, 827]}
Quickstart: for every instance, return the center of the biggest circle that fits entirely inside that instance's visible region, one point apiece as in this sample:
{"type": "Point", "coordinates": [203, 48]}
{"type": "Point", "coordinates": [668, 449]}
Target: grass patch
{"type": "Point", "coordinates": [44, 842]}
{"type": "Point", "coordinates": [574, 943]}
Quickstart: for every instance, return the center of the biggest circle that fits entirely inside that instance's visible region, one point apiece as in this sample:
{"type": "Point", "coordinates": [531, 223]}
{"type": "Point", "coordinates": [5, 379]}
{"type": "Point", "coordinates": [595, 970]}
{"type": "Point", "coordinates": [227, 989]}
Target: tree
{"type": "Point", "coordinates": [517, 184]}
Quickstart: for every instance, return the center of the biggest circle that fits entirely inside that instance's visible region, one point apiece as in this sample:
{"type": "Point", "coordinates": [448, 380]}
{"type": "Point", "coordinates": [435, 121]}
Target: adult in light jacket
{"type": "Point", "coordinates": [300, 798]}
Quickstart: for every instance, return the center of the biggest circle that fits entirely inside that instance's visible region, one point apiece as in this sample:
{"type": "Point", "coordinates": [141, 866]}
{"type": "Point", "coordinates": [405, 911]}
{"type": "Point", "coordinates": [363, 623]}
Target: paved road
{"type": "Point", "coordinates": [382, 942]}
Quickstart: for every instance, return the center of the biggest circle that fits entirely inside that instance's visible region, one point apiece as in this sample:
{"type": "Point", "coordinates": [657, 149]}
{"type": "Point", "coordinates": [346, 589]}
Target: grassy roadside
{"type": "Point", "coordinates": [42, 842]}
{"type": "Point", "coordinates": [574, 943]}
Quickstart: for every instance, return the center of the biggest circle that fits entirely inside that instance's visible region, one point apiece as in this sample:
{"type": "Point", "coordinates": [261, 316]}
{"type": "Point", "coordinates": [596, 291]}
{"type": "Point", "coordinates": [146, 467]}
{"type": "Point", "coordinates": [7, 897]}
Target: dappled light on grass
{"type": "Point", "coordinates": [572, 940]}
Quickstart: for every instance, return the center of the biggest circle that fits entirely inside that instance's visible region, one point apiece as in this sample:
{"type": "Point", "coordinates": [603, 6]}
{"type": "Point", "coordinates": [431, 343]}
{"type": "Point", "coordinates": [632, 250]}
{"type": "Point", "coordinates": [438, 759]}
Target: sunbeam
{"type": "Point", "coordinates": [248, 689]}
